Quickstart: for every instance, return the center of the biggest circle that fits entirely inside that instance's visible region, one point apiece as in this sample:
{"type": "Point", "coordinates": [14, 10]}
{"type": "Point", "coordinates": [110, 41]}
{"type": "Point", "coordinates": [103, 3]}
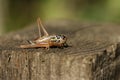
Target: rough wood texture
{"type": "Point", "coordinates": [93, 54]}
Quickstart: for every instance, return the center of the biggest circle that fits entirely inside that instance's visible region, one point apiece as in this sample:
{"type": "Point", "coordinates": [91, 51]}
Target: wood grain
{"type": "Point", "coordinates": [93, 53]}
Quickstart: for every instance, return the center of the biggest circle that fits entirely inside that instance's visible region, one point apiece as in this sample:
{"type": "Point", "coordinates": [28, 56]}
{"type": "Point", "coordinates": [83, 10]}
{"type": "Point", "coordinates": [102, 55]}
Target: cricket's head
{"type": "Point", "coordinates": [59, 39]}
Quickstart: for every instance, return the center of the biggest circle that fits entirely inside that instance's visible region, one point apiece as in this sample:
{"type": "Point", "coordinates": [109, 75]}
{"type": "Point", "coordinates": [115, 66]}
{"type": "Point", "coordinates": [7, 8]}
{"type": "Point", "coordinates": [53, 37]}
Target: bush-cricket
{"type": "Point", "coordinates": [46, 41]}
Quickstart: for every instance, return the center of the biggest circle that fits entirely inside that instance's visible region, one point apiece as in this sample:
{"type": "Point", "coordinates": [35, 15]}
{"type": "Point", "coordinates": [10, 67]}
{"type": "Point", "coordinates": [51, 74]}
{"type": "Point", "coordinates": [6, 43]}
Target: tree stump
{"type": "Point", "coordinates": [93, 53]}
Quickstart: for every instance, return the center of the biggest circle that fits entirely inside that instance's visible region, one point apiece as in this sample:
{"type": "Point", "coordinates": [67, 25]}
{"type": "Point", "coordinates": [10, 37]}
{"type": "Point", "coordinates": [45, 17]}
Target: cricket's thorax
{"type": "Point", "coordinates": [58, 39]}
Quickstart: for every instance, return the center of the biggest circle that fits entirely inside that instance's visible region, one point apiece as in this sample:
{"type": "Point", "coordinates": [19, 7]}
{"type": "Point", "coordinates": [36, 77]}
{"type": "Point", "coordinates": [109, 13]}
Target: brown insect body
{"type": "Point", "coordinates": [46, 40]}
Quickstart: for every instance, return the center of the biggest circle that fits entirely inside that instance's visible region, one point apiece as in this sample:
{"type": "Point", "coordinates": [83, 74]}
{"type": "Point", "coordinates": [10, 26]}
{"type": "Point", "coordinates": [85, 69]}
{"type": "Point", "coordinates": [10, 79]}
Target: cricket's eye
{"type": "Point", "coordinates": [63, 37]}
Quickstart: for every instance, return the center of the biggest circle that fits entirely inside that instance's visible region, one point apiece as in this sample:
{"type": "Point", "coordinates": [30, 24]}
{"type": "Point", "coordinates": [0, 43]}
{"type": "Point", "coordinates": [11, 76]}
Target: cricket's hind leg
{"type": "Point", "coordinates": [30, 45]}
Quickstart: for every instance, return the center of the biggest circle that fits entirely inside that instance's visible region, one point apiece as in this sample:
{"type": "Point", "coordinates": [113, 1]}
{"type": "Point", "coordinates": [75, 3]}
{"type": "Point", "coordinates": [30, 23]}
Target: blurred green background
{"type": "Point", "coordinates": [16, 14]}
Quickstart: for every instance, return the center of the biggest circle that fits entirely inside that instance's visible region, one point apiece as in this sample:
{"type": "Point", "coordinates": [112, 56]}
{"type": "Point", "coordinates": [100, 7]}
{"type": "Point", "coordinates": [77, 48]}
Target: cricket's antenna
{"type": "Point", "coordinates": [38, 20]}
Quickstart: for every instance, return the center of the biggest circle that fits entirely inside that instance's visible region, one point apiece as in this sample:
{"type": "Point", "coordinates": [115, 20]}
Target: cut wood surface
{"type": "Point", "coordinates": [93, 53]}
